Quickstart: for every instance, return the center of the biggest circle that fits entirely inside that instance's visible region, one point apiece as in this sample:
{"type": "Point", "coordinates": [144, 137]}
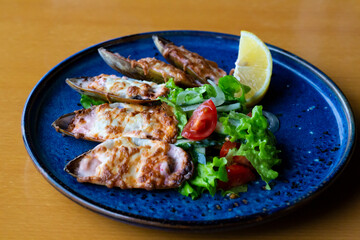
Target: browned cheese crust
{"type": "Point", "coordinates": [192, 63]}
{"type": "Point", "coordinates": [105, 121]}
{"type": "Point", "coordinates": [124, 87]}
{"type": "Point", "coordinates": [133, 163]}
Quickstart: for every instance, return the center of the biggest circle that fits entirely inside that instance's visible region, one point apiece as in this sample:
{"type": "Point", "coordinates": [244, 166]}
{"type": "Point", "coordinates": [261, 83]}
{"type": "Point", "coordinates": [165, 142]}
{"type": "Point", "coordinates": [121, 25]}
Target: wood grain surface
{"type": "Point", "coordinates": [36, 35]}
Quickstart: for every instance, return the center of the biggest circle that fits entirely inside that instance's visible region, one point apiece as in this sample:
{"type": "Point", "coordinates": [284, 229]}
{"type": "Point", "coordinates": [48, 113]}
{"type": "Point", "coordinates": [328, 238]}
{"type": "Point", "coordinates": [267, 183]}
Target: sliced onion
{"type": "Point", "coordinates": [218, 100]}
{"type": "Point", "coordinates": [181, 141]}
{"type": "Point", "coordinates": [272, 120]}
{"type": "Point", "coordinates": [180, 100]}
{"type": "Point", "coordinates": [228, 108]}
{"type": "Point", "coordinates": [200, 150]}
{"type": "Point", "coordinates": [190, 108]}
{"type": "Point", "coordinates": [220, 128]}
{"type": "Point", "coordinates": [234, 122]}
{"type": "Point", "coordinates": [200, 155]}
{"type": "Point", "coordinates": [220, 96]}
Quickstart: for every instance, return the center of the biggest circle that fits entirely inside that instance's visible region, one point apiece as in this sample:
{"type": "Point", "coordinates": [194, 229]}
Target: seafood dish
{"type": "Point", "coordinates": [182, 124]}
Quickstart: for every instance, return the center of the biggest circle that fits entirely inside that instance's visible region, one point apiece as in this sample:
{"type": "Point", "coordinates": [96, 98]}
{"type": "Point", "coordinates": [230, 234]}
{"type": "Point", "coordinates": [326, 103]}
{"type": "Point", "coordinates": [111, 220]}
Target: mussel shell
{"type": "Point", "coordinates": [62, 124]}
{"type": "Point", "coordinates": [160, 43]}
{"type": "Point", "coordinates": [73, 166]}
{"type": "Point", "coordinates": [123, 65]}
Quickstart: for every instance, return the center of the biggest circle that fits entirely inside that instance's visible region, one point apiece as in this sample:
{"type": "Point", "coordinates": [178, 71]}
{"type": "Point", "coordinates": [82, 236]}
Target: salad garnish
{"type": "Point", "coordinates": [229, 143]}
{"type": "Point", "coordinates": [255, 143]}
{"type": "Point", "coordinates": [205, 127]}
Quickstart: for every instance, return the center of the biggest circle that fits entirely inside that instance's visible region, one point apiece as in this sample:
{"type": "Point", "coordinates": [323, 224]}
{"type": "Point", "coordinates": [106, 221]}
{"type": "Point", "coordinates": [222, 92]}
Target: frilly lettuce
{"type": "Point", "coordinates": [205, 178]}
{"type": "Point", "coordinates": [88, 101]}
{"type": "Point", "coordinates": [189, 96]}
{"type": "Point", "coordinates": [232, 88]}
{"type": "Point", "coordinates": [258, 143]}
{"type": "Point", "coordinates": [178, 112]}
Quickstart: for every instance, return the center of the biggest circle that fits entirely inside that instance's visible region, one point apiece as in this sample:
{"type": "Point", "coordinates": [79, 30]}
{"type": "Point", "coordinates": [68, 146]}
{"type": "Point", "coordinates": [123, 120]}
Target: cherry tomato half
{"type": "Point", "coordinates": [227, 146]}
{"type": "Point", "coordinates": [202, 122]}
{"type": "Point", "coordinates": [235, 159]}
{"type": "Point", "coordinates": [237, 175]}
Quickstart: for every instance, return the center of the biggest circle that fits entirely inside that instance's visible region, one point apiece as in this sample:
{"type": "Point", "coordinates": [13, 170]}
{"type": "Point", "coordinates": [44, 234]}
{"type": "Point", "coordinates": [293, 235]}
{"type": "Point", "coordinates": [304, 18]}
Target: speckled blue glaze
{"type": "Point", "coordinates": [316, 136]}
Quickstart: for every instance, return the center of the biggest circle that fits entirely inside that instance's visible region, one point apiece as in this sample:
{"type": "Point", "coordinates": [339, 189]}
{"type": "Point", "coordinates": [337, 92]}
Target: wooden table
{"type": "Point", "coordinates": [38, 34]}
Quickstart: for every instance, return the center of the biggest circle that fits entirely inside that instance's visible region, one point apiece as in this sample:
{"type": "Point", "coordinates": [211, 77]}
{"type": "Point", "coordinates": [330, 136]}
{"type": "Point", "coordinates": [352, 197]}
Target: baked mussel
{"type": "Point", "coordinates": [109, 121]}
{"type": "Point", "coordinates": [112, 88]}
{"type": "Point", "coordinates": [190, 62]}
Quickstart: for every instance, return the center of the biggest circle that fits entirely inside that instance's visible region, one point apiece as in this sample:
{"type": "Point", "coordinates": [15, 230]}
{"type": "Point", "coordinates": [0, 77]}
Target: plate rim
{"type": "Point", "coordinates": [192, 225]}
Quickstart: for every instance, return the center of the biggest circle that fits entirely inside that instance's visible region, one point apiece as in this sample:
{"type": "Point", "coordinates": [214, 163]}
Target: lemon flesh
{"type": "Point", "coordinates": [253, 67]}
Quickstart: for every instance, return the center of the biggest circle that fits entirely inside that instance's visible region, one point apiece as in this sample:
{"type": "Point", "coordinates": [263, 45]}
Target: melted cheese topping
{"type": "Point", "coordinates": [135, 163]}
{"type": "Point", "coordinates": [167, 71]}
{"type": "Point", "coordinates": [123, 87]}
{"type": "Point", "coordinates": [193, 63]}
{"type": "Point", "coordinates": [106, 121]}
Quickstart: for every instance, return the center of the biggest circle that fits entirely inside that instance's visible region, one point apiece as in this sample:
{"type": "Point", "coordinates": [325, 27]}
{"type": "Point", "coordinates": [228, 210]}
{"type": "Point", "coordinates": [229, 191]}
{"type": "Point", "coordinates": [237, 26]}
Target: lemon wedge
{"type": "Point", "coordinates": [253, 67]}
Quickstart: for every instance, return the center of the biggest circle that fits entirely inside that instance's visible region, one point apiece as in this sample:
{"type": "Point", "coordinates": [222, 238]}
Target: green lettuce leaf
{"type": "Point", "coordinates": [233, 91]}
{"type": "Point", "coordinates": [207, 142]}
{"type": "Point", "coordinates": [198, 155]}
{"type": "Point", "coordinates": [232, 88]}
{"type": "Point", "coordinates": [189, 96]}
{"type": "Point", "coordinates": [178, 112]}
{"type": "Point", "coordinates": [258, 142]}
{"type": "Point", "coordinates": [205, 178]}
{"type": "Point", "coordinates": [174, 90]}
{"type": "Point", "coordinates": [187, 190]}
{"type": "Point", "coordinates": [88, 101]}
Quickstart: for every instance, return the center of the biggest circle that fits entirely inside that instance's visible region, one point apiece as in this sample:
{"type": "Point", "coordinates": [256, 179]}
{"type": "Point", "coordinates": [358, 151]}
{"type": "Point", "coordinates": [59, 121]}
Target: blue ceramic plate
{"type": "Point", "coordinates": [316, 137]}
